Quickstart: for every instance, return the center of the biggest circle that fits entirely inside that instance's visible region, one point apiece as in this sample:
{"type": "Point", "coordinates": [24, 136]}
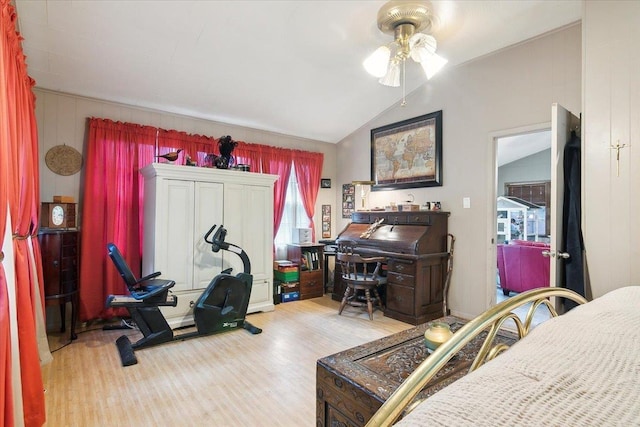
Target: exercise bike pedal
{"type": "Point", "coordinates": [253, 329]}
{"type": "Point", "coordinates": [127, 355]}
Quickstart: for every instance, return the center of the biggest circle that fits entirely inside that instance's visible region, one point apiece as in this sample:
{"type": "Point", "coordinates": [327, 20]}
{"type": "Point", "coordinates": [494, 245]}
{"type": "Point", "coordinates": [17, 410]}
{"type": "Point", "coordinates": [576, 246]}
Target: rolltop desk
{"type": "Point", "coordinates": [415, 245]}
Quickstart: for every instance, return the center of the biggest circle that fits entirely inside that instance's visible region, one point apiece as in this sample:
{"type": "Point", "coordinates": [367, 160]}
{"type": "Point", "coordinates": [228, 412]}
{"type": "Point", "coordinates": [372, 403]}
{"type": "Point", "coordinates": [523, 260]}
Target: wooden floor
{"type": "Point", "coordinates": [230, 379]}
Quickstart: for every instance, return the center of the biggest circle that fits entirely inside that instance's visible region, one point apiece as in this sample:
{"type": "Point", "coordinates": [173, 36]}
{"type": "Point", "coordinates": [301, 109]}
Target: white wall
{"type": "Point", "coordinates": [611, 115]}
{"type": "Point", "coordinates": [536, 167]}
{"type": "Point", "coordinates": [62, 119]}
{"type": "Point", "coordinates": [509, 89]}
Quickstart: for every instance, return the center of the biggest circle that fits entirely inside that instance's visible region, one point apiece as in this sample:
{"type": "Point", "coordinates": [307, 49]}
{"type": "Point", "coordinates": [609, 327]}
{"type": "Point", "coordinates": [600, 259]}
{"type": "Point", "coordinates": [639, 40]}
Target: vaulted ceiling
{"type": "Point", "coordinates": [292, 67]}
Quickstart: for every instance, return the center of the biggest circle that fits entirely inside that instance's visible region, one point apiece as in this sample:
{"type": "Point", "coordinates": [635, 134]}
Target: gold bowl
{"type": "Point", "coordinates": [436, 334]}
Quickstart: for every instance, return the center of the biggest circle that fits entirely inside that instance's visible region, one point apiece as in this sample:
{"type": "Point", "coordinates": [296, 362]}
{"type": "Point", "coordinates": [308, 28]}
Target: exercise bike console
{"type": "Point", "coordinates": [217, 242]}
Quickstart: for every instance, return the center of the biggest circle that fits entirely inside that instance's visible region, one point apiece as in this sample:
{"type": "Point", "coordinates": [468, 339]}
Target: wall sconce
{"type": "Point", "coordinates": [365, 188]}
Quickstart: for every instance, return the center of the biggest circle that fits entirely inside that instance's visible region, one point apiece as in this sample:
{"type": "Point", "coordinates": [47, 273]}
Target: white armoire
{"type": "Point", "coordinates": [181, 203]}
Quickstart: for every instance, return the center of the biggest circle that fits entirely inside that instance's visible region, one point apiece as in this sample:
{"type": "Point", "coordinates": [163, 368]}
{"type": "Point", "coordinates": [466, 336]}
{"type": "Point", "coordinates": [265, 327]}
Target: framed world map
{"type": "Point", "coordinates": [407, 154]}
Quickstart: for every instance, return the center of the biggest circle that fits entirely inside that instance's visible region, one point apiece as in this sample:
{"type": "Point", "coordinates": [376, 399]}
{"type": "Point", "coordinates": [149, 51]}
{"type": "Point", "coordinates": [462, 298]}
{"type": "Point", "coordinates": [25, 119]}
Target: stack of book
{"type": "Point", "coordinates": [287, 276]}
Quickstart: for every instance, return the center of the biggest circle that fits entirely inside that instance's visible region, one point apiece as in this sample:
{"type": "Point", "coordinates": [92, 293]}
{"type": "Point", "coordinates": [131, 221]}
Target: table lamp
{"type": "Point", "coordinates": [365, 187]}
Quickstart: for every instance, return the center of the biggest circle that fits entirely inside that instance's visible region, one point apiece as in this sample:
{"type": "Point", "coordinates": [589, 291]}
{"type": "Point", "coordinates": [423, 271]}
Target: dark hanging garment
{"type": "Point", "coordinates": [572, 242]}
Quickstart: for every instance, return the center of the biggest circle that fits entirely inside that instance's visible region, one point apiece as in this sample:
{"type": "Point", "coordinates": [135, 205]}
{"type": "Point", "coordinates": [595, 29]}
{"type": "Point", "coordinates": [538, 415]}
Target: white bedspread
{"type": "Point", "coordinates": [579, 369]}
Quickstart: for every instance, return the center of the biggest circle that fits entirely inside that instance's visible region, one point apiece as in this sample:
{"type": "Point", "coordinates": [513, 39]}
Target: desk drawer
{"type": "Point", "coordinates": [401, 279]}
{"type": "Point", "coordinates": [311, 284]}
{"type": "Point", "coordinates": [415, 218]}
{"type": "Point", "coordinates": [394, 219]}
{"type": "Point", "coordinates": [360, 217]}
{"type": "Point", "coordinates": [400, 299]}
{"type": "Point", "coordinates": [401, 266]}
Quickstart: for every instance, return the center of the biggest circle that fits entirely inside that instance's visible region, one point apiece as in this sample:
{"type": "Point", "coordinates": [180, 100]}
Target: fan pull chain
{"type": "Point", "coordinates": [404, 81]}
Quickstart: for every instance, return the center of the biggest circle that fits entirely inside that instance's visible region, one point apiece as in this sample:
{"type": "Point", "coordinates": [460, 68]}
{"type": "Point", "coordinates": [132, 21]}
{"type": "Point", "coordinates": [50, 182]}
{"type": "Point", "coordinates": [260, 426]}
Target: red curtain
{"type": "Point", "coordinates": [195, 146]}
{"type": "Point", "coordinates": [277, 161]}
{"type": "Point", "coordinates": [308, 167]}
{"type": "Point", "coordinates": [6, 166]}
{"type": "Point", "coordinates": [249, 154]}
{"type": "Point", "coordinates": [114, 199]}
{"type": "Point", "coordinates": [20, 191]}
{"type": "Point", "coordinates": [112, 208]}
{"type": "Point", "coordinates": [114, 191]}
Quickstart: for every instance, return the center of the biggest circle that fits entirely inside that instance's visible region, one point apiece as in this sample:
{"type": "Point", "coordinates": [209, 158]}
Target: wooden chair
{"type": "Point", "coordinates": [360, 275]}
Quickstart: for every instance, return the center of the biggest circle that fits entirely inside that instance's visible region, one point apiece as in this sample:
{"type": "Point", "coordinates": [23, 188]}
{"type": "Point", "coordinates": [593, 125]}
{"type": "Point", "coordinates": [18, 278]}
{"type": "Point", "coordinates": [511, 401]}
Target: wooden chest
{"type": "Point", "coordinates": [353, 384]}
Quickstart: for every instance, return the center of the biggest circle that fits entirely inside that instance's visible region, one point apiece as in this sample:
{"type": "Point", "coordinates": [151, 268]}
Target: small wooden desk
{"type": "Point", "coordinates": [353, 384]}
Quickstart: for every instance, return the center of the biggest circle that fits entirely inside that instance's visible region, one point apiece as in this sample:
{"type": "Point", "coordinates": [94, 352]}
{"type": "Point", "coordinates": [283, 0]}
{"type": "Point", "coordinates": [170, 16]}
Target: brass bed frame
{"type": "Point", "coordinates": [402, 401]}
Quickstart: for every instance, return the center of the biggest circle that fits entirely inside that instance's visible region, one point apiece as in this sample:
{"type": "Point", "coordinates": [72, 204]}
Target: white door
{"type": "Point", "coordinates": [248, 217]}
{"type": "Point", "coordinates": [562, 122]}
{"type": "Point", "coordinates": [208, 202]}
{"type": "Point", "coordinates": [173, 232]}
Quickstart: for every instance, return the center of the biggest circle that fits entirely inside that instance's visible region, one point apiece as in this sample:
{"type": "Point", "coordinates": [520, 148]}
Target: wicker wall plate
{"type": "Point", "coordinates": [63, 160]}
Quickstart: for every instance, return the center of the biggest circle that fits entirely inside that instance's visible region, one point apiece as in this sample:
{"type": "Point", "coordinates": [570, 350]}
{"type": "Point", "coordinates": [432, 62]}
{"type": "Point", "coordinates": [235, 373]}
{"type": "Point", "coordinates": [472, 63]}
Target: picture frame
{"type": "Point", "coordinates": [325, 183]}
{"type": "Point", "coordinates": [326, 221]}
{"type": "Point", "coordinates": [407, 154]}
{"type": "Point", "coordinates": [348, 193]}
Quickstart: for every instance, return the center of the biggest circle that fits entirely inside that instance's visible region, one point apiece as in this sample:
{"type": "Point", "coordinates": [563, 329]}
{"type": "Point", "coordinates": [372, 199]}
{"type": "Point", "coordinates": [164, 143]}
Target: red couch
{"type": "Point", "coordinates": [522, 267]}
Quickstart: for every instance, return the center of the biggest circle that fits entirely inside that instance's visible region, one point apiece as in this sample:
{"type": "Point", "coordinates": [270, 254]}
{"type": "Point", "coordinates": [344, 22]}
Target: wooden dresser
{"type": "Point", "coordinates": [415, 245]}
{"type": "Point", "coordinates": [60, 251]}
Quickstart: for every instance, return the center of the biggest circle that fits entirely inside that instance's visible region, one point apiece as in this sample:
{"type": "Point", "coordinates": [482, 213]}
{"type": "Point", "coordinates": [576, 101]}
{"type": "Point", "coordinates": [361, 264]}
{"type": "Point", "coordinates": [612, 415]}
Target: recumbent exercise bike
{"type": "Point", "coordinates": [221, 307]}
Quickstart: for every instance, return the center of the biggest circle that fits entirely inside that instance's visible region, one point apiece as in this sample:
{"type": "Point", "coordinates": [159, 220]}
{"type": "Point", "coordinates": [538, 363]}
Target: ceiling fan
{"type": "Point", "coordinates": [409, 22]}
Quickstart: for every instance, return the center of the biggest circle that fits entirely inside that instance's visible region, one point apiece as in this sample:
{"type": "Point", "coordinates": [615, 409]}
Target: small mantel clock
{"type": "Point", "coordinates": [58, 215]}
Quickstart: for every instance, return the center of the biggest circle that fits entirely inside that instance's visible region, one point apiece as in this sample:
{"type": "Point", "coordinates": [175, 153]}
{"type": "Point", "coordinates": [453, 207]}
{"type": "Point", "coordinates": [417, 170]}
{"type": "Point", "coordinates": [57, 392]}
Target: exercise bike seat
{"type": "Point", "coordinates": [145, 288]}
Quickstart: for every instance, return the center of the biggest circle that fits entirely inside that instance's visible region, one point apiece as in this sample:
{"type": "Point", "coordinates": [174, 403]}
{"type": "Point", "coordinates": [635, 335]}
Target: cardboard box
{"type": "Point", "coordinates": [290, 296]}
{"type": "Point", "coordinates": [287, 269]}
{"type": "Point", "coordinates": [408, 208]}
{"type": "Point", "coordinates": [289, 287]}
{"type": "Point", "coordinates": [63, 199]}
{"type": "Point", "coordinates": [283, 263]}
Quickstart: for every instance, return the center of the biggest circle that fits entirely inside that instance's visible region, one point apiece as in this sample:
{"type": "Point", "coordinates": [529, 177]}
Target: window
{"type": "Point", "coordinates": [294, 216]}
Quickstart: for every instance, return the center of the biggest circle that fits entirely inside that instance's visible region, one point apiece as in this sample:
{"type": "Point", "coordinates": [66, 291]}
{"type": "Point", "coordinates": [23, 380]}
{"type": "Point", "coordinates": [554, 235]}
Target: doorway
{"type": "Point", "coordinates": [523, 192]}
{"type": "Point", "coordinates": [564, 127]}
{"type": "Point", "coordinates": [521, 200]}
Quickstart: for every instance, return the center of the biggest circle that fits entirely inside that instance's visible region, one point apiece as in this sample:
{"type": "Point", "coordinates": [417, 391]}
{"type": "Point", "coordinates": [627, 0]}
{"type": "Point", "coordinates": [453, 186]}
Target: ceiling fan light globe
{"type": "Point", "coordinates": [433, 64]}
{"type": "Point", "coordinates": [392, 77]}
{"type": "Point", "coordinates": [420, 54]}
{"type": "Point", "coordinates": [422, 42]}
{"type": "Point", "coordinates": [376, 64]}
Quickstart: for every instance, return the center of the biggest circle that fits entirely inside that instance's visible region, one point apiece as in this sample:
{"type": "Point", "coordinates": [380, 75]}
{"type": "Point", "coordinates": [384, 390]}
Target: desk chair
{"type": "Point", "coordinates": [359, 274]}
